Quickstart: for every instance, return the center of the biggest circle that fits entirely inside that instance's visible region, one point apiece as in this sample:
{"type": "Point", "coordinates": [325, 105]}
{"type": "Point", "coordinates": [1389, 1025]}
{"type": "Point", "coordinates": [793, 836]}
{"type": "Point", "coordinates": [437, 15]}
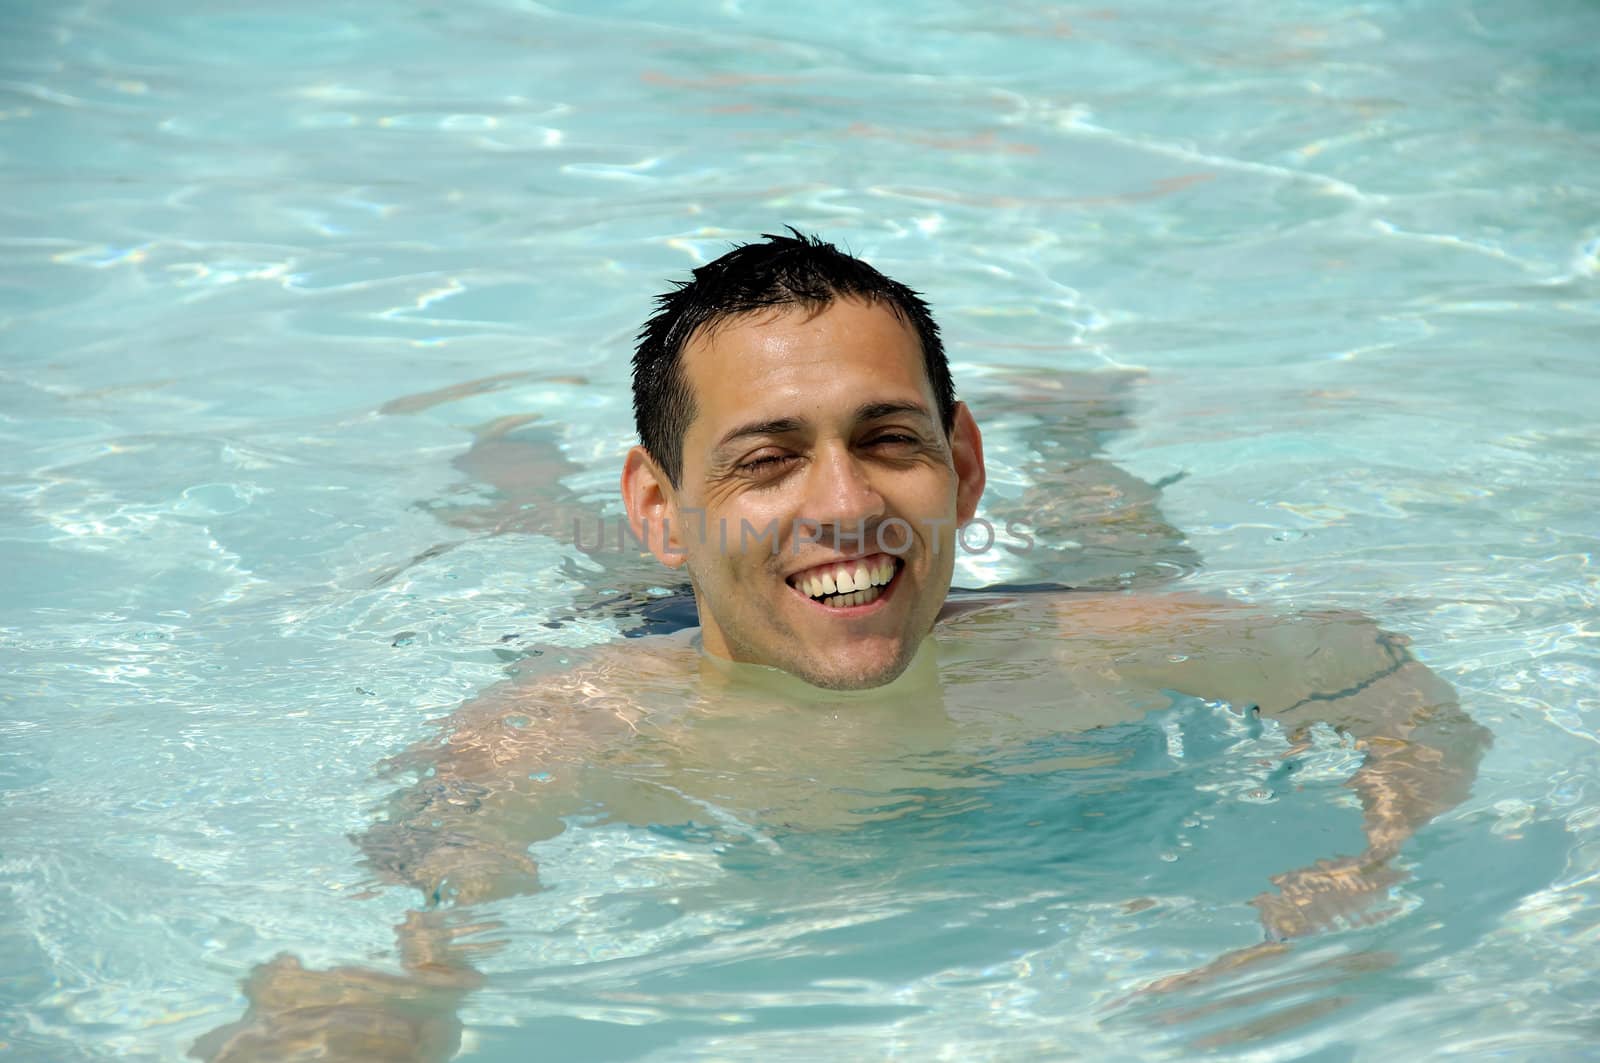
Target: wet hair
{"type": "Point", "coordinates": [783, 271]}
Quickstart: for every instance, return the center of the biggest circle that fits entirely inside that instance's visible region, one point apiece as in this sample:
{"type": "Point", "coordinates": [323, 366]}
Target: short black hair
{"type": "Point", "coordinates": [795, 270]}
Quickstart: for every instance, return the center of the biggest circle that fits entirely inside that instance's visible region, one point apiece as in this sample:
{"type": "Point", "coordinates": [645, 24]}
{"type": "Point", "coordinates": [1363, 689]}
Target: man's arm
{"type": "Point", "coordinates": [500, 776]}
{"type": "Point", "coordinates": [1422, 751]}
{"type": "Point", "coordinates": [508, 767]}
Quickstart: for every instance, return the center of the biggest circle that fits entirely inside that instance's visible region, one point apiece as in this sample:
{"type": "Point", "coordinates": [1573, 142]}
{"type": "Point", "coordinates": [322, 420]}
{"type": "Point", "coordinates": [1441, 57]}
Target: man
{"type": "Point", "coordinates": [804, 457]}
{"type": "Point", "coordinates": [824, 428]}
{"type": "Point", "coordinates": [805, 461]}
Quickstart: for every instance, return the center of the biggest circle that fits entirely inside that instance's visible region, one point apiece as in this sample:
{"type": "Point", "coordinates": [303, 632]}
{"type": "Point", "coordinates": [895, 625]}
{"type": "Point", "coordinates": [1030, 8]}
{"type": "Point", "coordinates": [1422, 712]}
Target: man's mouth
{"type": "Point", "coordinates": [843, 584]}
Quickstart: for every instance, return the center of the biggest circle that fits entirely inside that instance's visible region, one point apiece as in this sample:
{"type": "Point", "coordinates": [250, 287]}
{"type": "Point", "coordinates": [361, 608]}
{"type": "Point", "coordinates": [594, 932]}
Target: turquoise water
{"type": "Point", "coordinates": [269, 270]}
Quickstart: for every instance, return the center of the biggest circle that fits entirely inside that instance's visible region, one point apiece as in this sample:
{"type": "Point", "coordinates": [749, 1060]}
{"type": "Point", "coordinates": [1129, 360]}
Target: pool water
{"type": "Point", "coordinates": [314, 330]}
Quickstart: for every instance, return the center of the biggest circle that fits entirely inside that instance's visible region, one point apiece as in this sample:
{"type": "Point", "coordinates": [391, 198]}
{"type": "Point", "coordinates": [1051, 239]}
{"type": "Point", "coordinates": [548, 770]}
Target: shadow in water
{"type": "Point", "coordinates": [1092, 524]}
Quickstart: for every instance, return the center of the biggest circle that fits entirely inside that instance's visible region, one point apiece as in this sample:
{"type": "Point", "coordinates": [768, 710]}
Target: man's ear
{"type": "Point", "coordinates": [966, 451]}
{"type": "Point", "coordinates": [652, 507]}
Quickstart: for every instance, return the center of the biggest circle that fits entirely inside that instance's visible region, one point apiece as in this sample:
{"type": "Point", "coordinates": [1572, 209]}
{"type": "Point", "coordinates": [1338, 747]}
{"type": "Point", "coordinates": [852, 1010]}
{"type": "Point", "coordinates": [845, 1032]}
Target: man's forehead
{"type": "Point", "coordinates": [793, 352]}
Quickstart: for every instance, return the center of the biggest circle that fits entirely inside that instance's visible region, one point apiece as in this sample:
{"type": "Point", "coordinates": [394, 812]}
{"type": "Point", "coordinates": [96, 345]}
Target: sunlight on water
{"type": "Point", "coordinates": [316, 331]}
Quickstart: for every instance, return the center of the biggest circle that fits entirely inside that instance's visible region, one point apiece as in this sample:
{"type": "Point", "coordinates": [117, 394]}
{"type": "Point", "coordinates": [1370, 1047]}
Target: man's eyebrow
{"type": "Point", "coordinates": [875, 410]}
{"type": "Point", "coordinates": [872, 411]}
{"type": "Point", "coordinates": [777, 427]}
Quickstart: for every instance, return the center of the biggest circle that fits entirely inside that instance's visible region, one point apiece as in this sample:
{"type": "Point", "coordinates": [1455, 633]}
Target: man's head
{"type": "Point", "coordinates": [800, 437]}
{"type": "Point", "coordinates": [783, 272]}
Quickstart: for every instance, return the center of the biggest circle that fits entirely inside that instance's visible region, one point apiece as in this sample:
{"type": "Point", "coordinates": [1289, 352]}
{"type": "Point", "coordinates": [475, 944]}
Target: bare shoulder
{"type": "Point", "coordinates": [1304, 665]}
{"type": "Point", "coordinates": [507, 766]}
{"type": "Point", "coordinates": [1160, 615]}
{"type": "Point", "coordinates": [1216, 624]}
{"type": "Point", "coordinates": [559, 707]}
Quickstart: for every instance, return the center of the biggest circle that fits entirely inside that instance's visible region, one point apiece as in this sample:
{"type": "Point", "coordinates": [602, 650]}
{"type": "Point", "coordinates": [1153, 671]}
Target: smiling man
{"type": "Point", "coordinates": [804, 458]}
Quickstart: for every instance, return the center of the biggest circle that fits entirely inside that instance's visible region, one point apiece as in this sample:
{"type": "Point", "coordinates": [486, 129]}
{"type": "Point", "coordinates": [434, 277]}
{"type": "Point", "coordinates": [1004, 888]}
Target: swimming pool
{"type": "Point", "coordinates": [270, 271]}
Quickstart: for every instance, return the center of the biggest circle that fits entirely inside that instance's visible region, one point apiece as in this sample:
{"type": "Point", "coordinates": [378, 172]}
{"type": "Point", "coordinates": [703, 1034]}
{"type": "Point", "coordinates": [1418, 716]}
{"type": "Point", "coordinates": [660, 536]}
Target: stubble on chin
{"type": "Point", "coordinates": [848, 675]}
{"type": "Point", "coordinates": [787, 652]}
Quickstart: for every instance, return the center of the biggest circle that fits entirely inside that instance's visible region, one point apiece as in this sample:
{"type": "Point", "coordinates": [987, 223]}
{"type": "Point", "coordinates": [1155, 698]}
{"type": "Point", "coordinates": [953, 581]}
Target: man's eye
{"type": "Point", "coordinates": [893, 439]}
{"type": "Point", "coordinates": [765, 463]}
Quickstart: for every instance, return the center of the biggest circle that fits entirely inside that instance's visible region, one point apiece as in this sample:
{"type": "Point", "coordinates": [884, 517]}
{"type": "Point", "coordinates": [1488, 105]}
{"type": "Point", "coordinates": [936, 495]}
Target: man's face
{"type": "Point", "coordinates": [831, 494]}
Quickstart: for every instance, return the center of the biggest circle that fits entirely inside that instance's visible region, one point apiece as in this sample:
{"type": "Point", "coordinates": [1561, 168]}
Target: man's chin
{"type": "Point", "coordinates": [857, 669]}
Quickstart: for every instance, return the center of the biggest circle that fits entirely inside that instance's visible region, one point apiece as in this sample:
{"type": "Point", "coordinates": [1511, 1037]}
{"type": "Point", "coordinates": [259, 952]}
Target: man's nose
{"type": "Point", "coordinates": [840, 492]}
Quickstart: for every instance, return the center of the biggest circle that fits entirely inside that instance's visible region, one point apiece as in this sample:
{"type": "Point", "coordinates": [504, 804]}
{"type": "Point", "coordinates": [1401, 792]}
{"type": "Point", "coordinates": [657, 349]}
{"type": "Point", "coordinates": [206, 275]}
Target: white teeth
{"type": "Point", "coordinates": [846, 585]}
{"type": "Point", "coordinates": [845, 601]}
